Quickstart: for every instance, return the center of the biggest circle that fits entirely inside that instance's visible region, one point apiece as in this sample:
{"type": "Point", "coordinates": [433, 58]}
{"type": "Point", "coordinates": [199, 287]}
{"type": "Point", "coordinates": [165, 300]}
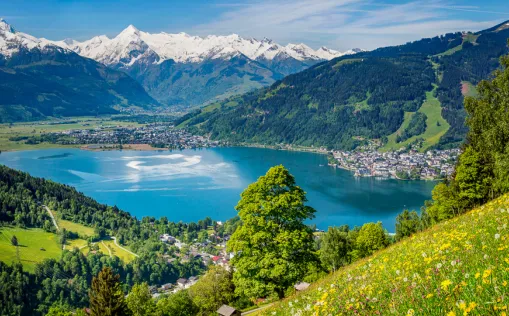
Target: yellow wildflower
{"type": "Point", "coordinates": [451, 313]}
{"type": "Point", "coordinates": [445, 284]}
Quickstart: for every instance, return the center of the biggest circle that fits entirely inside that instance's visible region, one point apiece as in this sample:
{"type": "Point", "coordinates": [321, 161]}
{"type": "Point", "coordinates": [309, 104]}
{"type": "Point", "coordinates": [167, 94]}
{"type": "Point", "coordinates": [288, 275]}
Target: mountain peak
{"type": "Point", "coordinates": [4, 26]}
{"type": "Point", "coordinates": [130, 30]}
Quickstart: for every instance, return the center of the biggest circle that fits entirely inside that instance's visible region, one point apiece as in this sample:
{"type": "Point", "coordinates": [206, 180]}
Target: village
{"type": "Point", "coordinates": [157, 135]}
{"type": "Point", "coordinates": [402, 164]}
{"type": "Point", "coordinates": [197, 251]}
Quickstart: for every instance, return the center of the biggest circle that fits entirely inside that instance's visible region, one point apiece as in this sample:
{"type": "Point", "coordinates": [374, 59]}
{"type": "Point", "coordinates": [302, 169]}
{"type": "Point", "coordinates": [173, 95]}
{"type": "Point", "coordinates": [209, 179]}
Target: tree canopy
{"type": "Point", "coordinates": [273, 246]}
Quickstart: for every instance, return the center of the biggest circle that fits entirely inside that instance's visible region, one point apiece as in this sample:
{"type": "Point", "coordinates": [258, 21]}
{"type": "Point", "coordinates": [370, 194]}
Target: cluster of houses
{"type": "Point", "coordinates": [433, 164]}
{"type": "Point", "coordinates": [158, 134]}
{"type": "Point", "coordinates": [196, 250]}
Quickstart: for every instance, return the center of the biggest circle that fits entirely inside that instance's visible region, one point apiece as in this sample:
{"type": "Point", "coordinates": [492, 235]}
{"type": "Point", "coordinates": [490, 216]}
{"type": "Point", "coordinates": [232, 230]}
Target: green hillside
{"type": "Point", "coordinates": [436, 125]}
{"type": "Point", "coordinates": [458, 267]}
{"type": "Point", "coordinates": [35, 245]}
{"type": "Point", "coordinates": [367, 95]}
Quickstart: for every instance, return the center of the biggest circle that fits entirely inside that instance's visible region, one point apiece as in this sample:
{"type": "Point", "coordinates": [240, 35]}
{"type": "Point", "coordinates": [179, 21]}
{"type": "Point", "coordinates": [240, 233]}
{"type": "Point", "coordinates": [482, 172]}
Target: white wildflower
{"type": "Point", "coordinates": [439, 265]}
{"type": "Point", "coordinates": [497, 236]}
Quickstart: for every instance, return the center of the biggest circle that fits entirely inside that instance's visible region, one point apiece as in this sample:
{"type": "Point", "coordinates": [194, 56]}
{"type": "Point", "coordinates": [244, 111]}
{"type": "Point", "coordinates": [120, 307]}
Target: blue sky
{"type": "Point", "coordinates": [338, 24]}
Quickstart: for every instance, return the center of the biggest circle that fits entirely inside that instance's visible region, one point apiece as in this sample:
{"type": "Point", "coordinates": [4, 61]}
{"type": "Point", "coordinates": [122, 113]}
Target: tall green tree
{"type": "Point", "coordinates": [407, 223]}
{"type": "Point", "coordinates": [140, 301]}
{"type": "Point", "coordinates": [372, 237]}
{"type": "Point", "coordinates": [212, 290]}
{"type": "Point", "coordinates": [335, 248]}
{"type": "Point", "coordinates": [106, 296]}
{"type": "Point", "coordinates": [178, 304]}
{"type": "Point", "coordinates": [273, 246]}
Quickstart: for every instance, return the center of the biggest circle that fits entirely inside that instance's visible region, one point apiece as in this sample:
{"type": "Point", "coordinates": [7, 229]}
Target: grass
{"type": "Point", "coordinates": [37, 128]}
{"type": "Point", "coordinates": [108, 247]}
{"type": "Point", "coordinates": [458, 267]}
{"type": "Point", "coordinates": [31, 241]}
{"type": "Point", "coordinates": [81, 230]}
{"type": "Point", "coordinates": [78, 243]}
{"type": "Point", "coordinates": [433, 111]}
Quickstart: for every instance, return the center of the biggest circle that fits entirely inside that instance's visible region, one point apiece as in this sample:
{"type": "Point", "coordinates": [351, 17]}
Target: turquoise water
{"type": "Point", "coordinates": [189, 185]}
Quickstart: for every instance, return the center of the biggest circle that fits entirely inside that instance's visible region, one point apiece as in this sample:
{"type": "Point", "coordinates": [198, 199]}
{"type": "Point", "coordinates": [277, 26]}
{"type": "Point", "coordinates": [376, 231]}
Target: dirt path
{"type": "Point", "coordinates": [116, 244]}
{"type": "Point", "coordinates": [109, 250]}
{"type": "Point", "coordinates": [256, 310]}
{"type": "Point", "coordinates": [52, 217]}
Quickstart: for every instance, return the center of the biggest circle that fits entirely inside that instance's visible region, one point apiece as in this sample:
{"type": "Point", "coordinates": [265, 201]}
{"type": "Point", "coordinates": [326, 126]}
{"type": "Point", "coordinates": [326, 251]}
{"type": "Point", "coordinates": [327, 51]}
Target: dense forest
{"type": "Point", "coordinates": [66, 280]}
{"type": "Point", "coordinates": [361, 95]}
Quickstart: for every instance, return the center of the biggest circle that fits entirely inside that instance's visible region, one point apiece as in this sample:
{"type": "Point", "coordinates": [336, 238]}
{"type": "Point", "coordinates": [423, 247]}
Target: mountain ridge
{"type": "Point", "coordinates": [340, 102]}
{"type": "Point", "coordinates": [39, 79]}
{"type": "Point", "coordinates": [186, 71]}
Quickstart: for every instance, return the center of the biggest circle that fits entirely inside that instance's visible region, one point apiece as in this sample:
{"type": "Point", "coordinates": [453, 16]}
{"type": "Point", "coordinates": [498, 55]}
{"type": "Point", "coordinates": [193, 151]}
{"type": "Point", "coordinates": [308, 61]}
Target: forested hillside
{"type": "Point", "coordinates": [364, 95]}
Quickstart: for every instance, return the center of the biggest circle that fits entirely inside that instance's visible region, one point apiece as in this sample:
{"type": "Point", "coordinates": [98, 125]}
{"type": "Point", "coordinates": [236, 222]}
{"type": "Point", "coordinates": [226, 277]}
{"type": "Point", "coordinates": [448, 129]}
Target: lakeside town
{"type": "Point", "coordinates": [156, 135]}
{"type": "Point", "coordinates": [407, 163]}
{"type": "Point", "coordinates": [402, 164]}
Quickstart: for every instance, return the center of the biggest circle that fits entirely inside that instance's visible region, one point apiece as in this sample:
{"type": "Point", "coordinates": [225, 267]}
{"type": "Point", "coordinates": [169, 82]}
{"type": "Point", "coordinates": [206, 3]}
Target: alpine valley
{"type": "Point", "coordinates": [184, 70]}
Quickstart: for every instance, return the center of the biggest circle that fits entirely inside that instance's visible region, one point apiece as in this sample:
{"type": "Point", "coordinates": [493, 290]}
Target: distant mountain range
{"type": "Point", "coordinates": [184, 70]}
{"type": "Point", "coordinates": [40, 79]}
{"type": "Point", "coordinates": [374, 94]}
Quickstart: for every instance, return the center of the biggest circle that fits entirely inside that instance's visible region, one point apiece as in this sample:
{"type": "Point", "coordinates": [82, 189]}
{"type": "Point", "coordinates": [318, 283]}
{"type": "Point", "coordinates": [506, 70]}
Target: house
{"type": "Point", "coordinates": [192, 280]}
{"type": "Point", "coordinates": [301, 286]}
{"type": "Point", "coordinates": [166, 286]}
{"type": "Point", "coordinates": [182, 282]}
{"type": "Point", "coordinates": [226, 310]}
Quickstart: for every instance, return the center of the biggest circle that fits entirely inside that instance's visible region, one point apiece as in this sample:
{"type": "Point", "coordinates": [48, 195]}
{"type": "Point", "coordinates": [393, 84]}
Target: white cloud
{"type": "Point", "coordinates": [344, 24]}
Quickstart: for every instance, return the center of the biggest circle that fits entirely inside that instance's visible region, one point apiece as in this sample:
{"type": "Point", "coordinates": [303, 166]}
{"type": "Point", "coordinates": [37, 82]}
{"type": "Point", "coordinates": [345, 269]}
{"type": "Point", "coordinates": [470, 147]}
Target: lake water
{"type": "Point", "coordinates": [189, 185]}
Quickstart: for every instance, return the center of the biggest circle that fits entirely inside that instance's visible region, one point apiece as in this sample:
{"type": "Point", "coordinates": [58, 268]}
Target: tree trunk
{"type": "Point", "coordinates": [280, 293]}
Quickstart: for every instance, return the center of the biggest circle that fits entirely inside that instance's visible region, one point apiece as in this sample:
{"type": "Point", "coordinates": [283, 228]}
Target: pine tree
{"type": "Point", "coordinates": [106, 296]}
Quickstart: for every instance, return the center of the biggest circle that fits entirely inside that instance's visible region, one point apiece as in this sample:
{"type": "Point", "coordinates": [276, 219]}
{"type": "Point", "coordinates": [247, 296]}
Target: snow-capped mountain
{"type": "Point", "coordinates": [12, 41]}
{"type": "Point", "coordinates": [186, 70]}
{"type": "Point", "coordinates": [132, 45]}
{"type": "Point", "coordinates": [39, 78]}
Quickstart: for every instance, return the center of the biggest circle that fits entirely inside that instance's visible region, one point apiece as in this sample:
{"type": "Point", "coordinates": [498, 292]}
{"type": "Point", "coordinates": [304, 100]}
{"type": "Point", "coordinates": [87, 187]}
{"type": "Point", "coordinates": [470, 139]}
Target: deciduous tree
{"type": "Point", "coordinates": [273, 246]}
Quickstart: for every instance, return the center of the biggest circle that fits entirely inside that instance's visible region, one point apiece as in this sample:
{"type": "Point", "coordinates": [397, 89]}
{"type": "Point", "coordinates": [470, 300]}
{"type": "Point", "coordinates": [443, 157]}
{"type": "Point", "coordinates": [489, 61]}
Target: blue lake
{"type": "Point", "coordinates": [189, 185]}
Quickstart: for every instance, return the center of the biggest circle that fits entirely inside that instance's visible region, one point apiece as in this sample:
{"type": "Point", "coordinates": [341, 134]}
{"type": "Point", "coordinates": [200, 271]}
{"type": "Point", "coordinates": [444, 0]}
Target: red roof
{"type": "Point", "coordinates": [215, 258]}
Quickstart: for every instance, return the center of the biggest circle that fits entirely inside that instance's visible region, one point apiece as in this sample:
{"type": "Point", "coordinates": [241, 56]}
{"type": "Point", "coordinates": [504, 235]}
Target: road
{"type": "Point", "coordinates": [52, 217]}
{"type": "Point", "coordinates": [116, 244]}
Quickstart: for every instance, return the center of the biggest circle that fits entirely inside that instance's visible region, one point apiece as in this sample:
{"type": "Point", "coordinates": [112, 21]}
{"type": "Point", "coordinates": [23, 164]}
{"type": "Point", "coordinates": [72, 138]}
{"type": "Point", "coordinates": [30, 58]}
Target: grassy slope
{"type": "Point", "coordinates": [37, 128]}
{"type": "Point", "coordinates": [31, 241]}
{"type": "Point", "coordinates": [83, 230]}
{"type": "Point", "coordinates": [458, 266]}
{"type": "Point", "coordinates": [433, 110]}
{"type": "Point", "coordinates": [80, 229]}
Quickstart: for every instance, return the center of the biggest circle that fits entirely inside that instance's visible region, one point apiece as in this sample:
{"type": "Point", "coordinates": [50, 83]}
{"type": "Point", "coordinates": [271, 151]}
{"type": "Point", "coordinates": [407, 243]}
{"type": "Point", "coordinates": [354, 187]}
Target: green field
{"type": "Point", "coordinates": [108, 247]}
{"type": "Point", "coordinates": [31, 242]}
{"type": "Point", "coordinates": [81, 230]}
{"type": "Point", "coordinates": [37, 128]}
{"type": "Point", "coordinates": [433, 110]}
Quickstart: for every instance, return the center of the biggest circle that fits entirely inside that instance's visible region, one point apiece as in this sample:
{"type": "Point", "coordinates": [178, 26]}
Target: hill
{"type": "Point", "coordinates": [366, 95]}
{"type": "Point", "coordinates": [39, 79]}
{"type": "Point", "coordinates": [456, 267]}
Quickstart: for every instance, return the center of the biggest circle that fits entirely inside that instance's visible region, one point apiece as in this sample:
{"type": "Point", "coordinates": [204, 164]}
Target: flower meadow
{"type": "Point", "coordinates": [458, 267]}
